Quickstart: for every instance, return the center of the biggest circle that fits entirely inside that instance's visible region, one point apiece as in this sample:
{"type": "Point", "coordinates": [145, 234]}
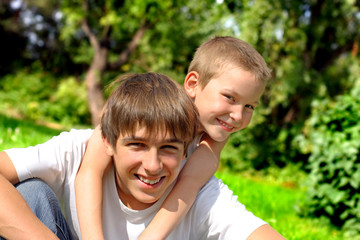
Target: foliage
{"type": "Point", "coordinates": [174, 30]}
{"type": "Point", "coordinates": [258, 148]}
{"type": "Point", "coordinates": [68, 104]}
{"type": "Point", "coordinates": [333, 138]}
{"type": "Point", "coordinates": [24, 92]}
{"type": "Point", "coordinates": [38, 95]}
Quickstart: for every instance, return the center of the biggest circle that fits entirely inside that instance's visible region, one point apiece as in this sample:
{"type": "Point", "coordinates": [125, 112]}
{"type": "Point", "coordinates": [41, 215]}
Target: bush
{"type": "Point", "coordinates": [258, 147]}
{"type": "Point", "coordinates": [68, 104]}
{"type": "Point", "coordinates": [40, 96]}
{"type": "Point", "coordinates": [333, 138]}
{"type": "Point", "coordinates": [24, 91]}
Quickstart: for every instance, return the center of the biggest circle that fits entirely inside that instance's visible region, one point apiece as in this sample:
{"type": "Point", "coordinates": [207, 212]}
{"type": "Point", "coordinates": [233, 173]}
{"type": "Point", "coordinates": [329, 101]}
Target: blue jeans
{"type": "Point", "coordinates": [43, 202]}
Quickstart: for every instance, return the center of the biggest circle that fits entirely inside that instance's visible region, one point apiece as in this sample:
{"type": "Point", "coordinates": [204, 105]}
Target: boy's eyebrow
{"type": "Point", "coordinates": [231, 91]}
{"type": "Point", "coordinates": [134, 138]}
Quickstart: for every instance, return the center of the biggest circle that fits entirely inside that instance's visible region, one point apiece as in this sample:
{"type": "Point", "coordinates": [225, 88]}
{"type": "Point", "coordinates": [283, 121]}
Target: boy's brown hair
{"type": "Point", "coordinates": [211, 58]}
{"type": "Point", "coordinates": [149, 100]}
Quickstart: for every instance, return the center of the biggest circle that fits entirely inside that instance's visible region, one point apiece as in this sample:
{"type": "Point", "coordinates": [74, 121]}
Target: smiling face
{"type": "Point", "coordinates": [145, 166]}
{"type": "Point", "coordinates": [227, 102]}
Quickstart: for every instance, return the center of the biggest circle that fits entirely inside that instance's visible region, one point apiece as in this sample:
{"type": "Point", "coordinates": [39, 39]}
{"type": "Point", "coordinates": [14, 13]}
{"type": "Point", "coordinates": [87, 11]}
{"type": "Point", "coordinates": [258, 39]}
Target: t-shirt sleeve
{"type": "Point", "coordinates": [52, 161]}
{"type": "Point", "coordinates": [222, 216]}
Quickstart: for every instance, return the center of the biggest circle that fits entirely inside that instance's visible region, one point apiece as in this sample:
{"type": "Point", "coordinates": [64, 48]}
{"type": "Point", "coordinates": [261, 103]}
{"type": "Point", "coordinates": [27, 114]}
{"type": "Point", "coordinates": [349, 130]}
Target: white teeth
{"type": "Point", "coordinates": [149, 181]}
{"type": "Point", "coordinates": [225, 125]}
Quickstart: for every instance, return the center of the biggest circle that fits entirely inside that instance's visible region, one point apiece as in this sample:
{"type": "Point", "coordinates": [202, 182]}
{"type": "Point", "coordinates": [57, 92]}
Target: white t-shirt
{"type": "Point", "coordinates": [216, 213]}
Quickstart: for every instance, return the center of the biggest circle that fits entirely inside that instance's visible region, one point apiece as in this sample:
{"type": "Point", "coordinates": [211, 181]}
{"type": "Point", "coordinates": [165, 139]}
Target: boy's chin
{"type": "Point", "coordinates": [218, 137]}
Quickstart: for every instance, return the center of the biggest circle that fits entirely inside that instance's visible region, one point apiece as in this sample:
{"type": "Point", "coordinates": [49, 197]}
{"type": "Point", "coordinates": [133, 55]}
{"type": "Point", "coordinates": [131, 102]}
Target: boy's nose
{"type": "Point", "coordinates": [236, 113]}
{"type": "Point", "coordinates": [151, 162]}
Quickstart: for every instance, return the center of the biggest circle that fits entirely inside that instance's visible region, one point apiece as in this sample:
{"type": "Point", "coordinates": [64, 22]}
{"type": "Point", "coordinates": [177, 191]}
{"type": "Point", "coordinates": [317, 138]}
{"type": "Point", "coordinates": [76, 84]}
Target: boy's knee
{"type": "Point", "coordinates": [35, 189]}
{"type": "Point", "coordinates": [38, 195]}
{"type": "Point", "coordinates": [42, 201]}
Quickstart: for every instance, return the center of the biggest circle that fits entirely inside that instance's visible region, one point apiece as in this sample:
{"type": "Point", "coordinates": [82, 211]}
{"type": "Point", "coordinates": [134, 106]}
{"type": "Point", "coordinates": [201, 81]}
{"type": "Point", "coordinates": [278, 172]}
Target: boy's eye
{"type": "Point", "coordinates": [231, 98]}
{"type": "Point", "coordinates": [170, 148]}
{"type": "Point", "coordinates": [250, 107]}
{"type": "Point", "coordinates": [136, 144]}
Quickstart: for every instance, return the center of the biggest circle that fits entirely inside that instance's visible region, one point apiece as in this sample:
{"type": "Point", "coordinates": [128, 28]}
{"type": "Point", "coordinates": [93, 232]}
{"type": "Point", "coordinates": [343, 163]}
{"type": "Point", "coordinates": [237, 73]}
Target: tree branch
{"type": "Point", "coordinates": [334, 55]}
{"type": "Point", "coordinates": [125, 55]}
{"type": "Point", "coordinates": [85, 27]}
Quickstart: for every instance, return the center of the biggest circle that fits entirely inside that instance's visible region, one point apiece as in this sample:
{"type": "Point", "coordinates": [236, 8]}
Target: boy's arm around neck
{"type": "Point", "coordinates": [88, 187]}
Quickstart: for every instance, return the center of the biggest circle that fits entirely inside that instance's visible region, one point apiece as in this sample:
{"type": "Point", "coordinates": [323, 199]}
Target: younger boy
{"type": "Point", "coordinates": [225, 80]}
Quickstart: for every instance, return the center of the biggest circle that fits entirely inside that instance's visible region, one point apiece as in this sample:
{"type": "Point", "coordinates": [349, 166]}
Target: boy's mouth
{"type": "Point", "coordinates": [226, 126]}
{"type": "Point", "coordinates": [149, 181]}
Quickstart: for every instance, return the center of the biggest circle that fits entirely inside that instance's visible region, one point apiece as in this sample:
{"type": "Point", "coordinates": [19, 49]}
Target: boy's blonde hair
{"type": "Point", "coordinates": [211, 58]}
{"type": "Point", "coordinates": [149, 100]}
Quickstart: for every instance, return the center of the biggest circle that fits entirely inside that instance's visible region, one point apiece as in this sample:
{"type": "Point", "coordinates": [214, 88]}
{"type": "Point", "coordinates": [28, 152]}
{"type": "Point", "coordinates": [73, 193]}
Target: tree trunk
{"type": "Point", "coordinates": [94, 86]}
{"type": "Point", "coordinates": [100, 63]}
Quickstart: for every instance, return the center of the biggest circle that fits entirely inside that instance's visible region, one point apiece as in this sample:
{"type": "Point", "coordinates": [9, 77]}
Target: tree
{"type": "Point", "coordinates": [115, 29]}
{"type": "Point", "coordinates": [101, 39]}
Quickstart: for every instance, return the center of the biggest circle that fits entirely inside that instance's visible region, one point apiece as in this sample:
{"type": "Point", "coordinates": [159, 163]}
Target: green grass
{"type": "Point", "coordinates": [267, 199]}
{"type": "Point", "coordinates": [16, 133]}
{"type": "Point", "coordinates": [276, 205]}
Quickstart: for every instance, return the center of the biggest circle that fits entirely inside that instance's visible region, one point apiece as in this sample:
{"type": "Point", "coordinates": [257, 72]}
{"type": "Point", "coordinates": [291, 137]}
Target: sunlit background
{"type": "Point", "coordinates": [300, 157]}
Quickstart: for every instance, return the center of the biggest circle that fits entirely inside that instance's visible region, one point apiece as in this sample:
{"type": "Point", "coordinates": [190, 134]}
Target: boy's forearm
{"type": "Point", "coordinates": [173, 210]}
{"type": "Point", "coordinates": [200, 166]}
{"type": "Point", "coordinates": [17, 221]}
{"type": "Point", "coordinates": [88, 189]}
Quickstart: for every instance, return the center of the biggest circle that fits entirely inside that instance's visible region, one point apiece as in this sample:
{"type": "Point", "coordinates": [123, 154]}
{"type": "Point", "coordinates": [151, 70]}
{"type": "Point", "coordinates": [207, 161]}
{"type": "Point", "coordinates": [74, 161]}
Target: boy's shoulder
{"type": "Point", "coordinates": [76, 135]}
{"type": "Point", "coordinates": [216, 189]}
{"type": "Point", "coordinates": [218, 207]}
{"type": "Point", "coordinates": [79, 132]}
{"type": "Point", "coordinates": [217, 198]}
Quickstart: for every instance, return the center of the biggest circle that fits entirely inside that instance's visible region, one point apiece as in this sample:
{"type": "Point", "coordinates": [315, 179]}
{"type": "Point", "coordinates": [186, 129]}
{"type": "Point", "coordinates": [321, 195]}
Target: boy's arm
{"type": "Point", "coordinates": [199, 168]}
{"type": "Point", "coordinates": [88, 187]}
{"type": "Point", "coordinates": [17, 221]}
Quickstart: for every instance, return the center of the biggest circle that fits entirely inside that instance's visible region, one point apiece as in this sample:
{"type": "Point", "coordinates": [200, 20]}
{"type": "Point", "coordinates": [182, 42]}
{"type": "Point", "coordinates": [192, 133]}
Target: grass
{"type": "Point", "coordinates": [276, 205]}
{"type": "Point", "coordinates": [15, 133]}
{"type": "Point", "coordinates": [268, 200]}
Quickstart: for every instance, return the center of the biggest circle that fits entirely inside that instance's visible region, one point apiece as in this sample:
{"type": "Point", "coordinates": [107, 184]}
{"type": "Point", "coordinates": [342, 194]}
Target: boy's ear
{"type": "Point", "coordinates": [108, 148]}
{"type": "Point", "coordinates": [191, 83]}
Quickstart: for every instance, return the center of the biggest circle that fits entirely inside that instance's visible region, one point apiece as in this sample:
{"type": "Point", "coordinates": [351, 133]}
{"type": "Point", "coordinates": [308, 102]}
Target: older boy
{"type": "Point", "coordinates": [147, 137]}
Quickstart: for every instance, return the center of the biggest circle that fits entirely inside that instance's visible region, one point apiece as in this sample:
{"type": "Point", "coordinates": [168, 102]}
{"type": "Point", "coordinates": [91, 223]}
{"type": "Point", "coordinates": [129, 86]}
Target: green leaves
{"type": "Point", "coordinates": [334, 180]}
{"type": "Point", "coordinates": [42, 98]}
